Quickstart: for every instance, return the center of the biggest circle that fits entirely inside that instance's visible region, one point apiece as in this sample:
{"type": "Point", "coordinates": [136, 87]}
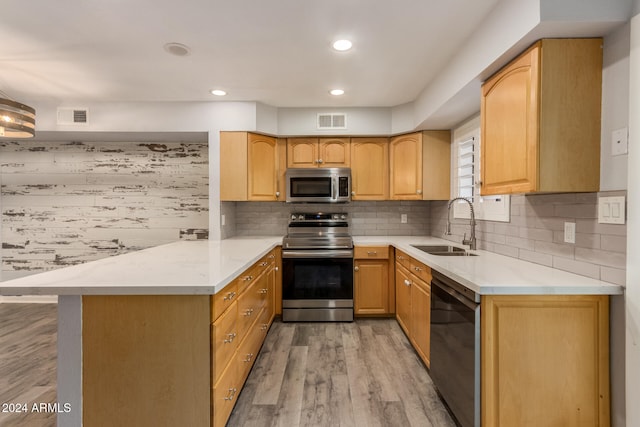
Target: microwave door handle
{"type": "Point", "coordinates": [334, 187]}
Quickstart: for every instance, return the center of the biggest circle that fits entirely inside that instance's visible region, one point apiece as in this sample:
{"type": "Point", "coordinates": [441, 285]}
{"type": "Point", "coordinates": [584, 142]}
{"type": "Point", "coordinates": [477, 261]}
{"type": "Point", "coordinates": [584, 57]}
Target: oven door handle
{"type": "Point", "coordinates": [331, 253]}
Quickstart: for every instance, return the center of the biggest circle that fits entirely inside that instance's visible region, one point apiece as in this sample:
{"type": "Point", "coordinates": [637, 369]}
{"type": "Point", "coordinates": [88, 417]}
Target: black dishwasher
{"type": "Point", "coordinates": [455, 347]}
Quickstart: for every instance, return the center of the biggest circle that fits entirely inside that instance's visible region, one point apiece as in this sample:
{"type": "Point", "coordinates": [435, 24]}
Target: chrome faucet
{"type": "Point", "coordinates": [472, 241]}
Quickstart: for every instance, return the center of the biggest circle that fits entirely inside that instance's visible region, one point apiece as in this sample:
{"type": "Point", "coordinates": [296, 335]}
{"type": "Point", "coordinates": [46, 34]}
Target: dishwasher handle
{"type": "Point", "coordinates": [455, 294]}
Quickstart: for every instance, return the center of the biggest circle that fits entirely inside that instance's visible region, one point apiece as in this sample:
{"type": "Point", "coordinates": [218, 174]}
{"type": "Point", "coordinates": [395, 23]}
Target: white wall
{"type": "Point", "coordinates": [360, 121]}
{"type": "Point", "coordinates": [633, 232]}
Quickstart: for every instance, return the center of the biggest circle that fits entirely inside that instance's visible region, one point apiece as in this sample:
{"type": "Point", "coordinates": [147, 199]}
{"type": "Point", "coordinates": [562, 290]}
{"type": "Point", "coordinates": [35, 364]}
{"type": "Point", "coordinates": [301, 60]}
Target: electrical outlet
{"type": "Point", "coordinates": [223, 220]}
{"type": "Point", "coordinates": [569, 232]}
{"type": "Point", "coordinates": [403, 218]}
{"type": "Point", "coordinates": [619, 142]}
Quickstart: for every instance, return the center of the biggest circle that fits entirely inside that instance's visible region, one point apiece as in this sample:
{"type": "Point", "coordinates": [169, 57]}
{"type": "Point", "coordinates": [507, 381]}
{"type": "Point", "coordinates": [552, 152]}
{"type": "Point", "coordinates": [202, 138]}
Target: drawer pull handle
{"type": "Point", "coordinates": [407, 282]}
{"type": "Point", "coordinates": [248, 312]}
{"type": "Point", "coordinates": [272, 256]}
{"type": "Point", "coordinates": [231, 395]}
{"type": "Point", "coordinates": [371, 253]}
{"type": "Point", "coordinates": [263, 291]}
{"type": "Point", "coordinates": [417, 268]}
{"type": "Point", "coordinates": [400, 257]}
{"type": "Point", "coordinates": [248, 358]}
{"type": "Point", "coordinates": [264, 264]}
{"type": "Point", "coordinates": [248, 278]}
{"type": "Point", "coordinates": [230, 338]}
{"type": "Point", "coordinates": [229, 296]}
{"type": "Point", "coordinates": [264, 326]}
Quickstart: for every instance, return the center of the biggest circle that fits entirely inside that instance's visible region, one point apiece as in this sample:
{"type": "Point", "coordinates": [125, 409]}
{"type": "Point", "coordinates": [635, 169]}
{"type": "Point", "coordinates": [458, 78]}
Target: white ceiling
{"type": "Point", "coordinates": [277, 52]}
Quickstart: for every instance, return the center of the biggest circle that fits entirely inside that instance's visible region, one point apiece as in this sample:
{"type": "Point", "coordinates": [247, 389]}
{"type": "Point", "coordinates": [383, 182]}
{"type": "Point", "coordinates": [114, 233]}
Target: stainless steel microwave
{"type": "Point", "coordinates": [318, 185]}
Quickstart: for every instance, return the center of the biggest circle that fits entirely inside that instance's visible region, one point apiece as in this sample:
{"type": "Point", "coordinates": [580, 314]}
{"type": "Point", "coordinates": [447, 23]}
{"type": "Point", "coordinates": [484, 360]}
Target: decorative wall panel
{"type": "Point", "coordinates": [65, 203]}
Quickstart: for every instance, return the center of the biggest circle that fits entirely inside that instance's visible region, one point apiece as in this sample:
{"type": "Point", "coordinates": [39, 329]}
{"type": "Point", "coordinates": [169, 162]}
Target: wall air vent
{"type": "Point", "coordinates": [332, 121]}
{"type": "Point", "coordinates": [73, 116]}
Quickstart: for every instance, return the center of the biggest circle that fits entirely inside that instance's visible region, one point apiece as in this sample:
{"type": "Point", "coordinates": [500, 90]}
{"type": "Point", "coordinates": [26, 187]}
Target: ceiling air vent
{"type": "Point", "coordinates": [73, 116]}
{"type": "Point", "coordinates": [332, 121]}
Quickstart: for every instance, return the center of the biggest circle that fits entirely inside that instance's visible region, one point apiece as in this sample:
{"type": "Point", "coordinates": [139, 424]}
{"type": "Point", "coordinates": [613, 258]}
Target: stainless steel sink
{"type": "Point", "coordinates": [443, 250]}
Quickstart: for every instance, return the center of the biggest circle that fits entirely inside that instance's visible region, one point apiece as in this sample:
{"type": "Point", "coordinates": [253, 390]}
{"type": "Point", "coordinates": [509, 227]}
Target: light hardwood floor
{"type": "Point", "coordinates": [28, 361]}
{"type": "Point", "coordinates": [363, 373]}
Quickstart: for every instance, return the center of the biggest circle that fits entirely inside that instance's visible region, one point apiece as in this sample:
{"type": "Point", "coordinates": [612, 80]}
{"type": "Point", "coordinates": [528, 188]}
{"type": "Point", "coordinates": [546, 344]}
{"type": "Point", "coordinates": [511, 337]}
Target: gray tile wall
{"type": "Point", "coordinates": [367, 218]}
{"type": "Point", "coordinates": [536, 234]}
{"type": "Point", "coordinates": [67, 203]}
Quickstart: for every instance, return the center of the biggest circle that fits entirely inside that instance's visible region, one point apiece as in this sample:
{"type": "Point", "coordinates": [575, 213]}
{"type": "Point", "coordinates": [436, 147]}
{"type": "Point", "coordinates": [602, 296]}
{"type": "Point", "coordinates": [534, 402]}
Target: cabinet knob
{"type": "Point", "coordinates": [320, 161]}
{"type": "Point", "coordinates": [353, 193]}
{"type": "Point", "coordinates": [418, 191]}
{"type": "Point", "coordinates": [407, 282]}
{"type": "Point", "coordinates": [277, 194]}
{"type": "Point", "coordinates": [356, 268]}
{"type": "Point", "coordinates": [277, 269]}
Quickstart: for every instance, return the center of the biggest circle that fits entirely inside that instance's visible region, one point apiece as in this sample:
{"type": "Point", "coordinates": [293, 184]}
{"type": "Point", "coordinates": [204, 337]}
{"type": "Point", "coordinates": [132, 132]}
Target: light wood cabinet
{"type": "Point", "coordinates": [436, 165]}
{"type": "Point", "coordinates": [405, 167]}
{"type": "Point", "coordinates": [251, 167]}
{"type": "Point", "coordinates": [545, 360]}
{"type": "Point", "coordinates": [373, 286]}
{"type": "Point", "coordinates": [540, 120]}
{"type": "Point", "coordinates": [318, 152]}
{"type": "Point", "coordinates": [413, 302]}
{"type": "Point", "coordinates": [370, 168]}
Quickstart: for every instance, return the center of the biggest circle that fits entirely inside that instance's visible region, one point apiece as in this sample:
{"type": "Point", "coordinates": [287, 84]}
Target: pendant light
{"type": "Point", "coordinates": [16, 120]}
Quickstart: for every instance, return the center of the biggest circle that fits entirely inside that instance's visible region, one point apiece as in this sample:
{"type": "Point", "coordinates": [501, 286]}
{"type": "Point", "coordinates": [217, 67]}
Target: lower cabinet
{"type": "Point", "coordinates": [545, 360]}
{"type": "Point", "coordinates": [373, 287]}
{"type": "Point", "coordinates": [246, 310]}
{"type": "Point", "coordinates": [413, 302]}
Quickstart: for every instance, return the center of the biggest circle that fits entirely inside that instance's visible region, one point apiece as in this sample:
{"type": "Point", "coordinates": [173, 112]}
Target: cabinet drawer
{"type": "Point", "coordinates": [403, 259]}
{"type": "Point", "coordinates": [248, 349]}
{"type": "Point", "coordinates": [249, 305]}
{"type": "Point", "coordinates": [420, 270]}
{"type": "Point", "coordinates": [223, 299]}
{"type": "Point", "coordinates": [225, 340]}
{"type": "Point", "coordinates": [224, 395]}
{"type": "Point", "coordinates": [371, 252]}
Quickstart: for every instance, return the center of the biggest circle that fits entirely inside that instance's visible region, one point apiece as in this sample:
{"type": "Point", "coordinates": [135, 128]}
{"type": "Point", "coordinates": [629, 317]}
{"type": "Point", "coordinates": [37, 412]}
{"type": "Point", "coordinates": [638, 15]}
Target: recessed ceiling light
{"type": "Point", "coordinates": [336, 92]}
{"type": "Point", "coordinates": [177, 49]}
{"type": "Point", "coordinates": [218, 92]}
{"type": "Point", "coordinates": [342, 45]}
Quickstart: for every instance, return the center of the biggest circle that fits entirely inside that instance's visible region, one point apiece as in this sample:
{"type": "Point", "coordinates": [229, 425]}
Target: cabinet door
{"type": "Point", "coordinates": [509, 126]}
{"type": "Point", "coordinates": [405, 163]}
{"type": "Point", "coordinates": [334, 153]}
{"type": "Point", "coordinates": [421, 318]}
{"type": "Point", "coordinates": [370, 168]}
{"type": "Point", "coordinates": [302, 152]}
{"type": "Point", "coordinates": [371, 280]}
{"type": "Point", "coordinates": [403, 298]}
{"type": "Point", "coordinates": [263, 168]}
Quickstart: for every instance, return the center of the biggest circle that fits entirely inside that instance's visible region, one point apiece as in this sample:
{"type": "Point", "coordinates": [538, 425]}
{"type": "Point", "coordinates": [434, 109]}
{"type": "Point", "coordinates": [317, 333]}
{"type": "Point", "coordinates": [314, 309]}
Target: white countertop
{"type": "Point", "coordinates": [493, 274]}
{"type": "Point", "coordinates": [180, 268]}
{"type": "Point", "coordinates": [205, 267]}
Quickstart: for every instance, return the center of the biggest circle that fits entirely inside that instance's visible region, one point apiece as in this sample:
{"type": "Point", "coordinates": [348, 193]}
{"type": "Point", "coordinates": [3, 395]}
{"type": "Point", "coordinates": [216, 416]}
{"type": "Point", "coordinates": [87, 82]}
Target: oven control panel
{"type": "Point", "coordinates": [315, 217]}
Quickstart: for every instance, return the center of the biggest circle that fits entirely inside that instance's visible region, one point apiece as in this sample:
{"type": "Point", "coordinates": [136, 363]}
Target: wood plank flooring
{"type": "Point", "coordinates": [363, 373]}
{"type": "Point", "coordinates": [28, 353]}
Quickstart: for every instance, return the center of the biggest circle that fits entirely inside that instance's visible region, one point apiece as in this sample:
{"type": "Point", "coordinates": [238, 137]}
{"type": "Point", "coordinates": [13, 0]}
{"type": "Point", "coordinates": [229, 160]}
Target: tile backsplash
{"type": "Point", "coordinates": [536, 234]}
{"type": "Point", "coordinates": [64, 203]}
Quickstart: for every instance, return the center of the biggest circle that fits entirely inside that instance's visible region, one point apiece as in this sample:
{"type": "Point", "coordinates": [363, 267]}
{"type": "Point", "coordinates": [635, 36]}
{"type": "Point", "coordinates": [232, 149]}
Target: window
{"type": "Point", "coordinates": [466, 170]}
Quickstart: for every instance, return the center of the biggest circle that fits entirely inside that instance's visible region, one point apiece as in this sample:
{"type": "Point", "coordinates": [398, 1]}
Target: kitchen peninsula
{"type": "Point", "coordinates": [163, 295]}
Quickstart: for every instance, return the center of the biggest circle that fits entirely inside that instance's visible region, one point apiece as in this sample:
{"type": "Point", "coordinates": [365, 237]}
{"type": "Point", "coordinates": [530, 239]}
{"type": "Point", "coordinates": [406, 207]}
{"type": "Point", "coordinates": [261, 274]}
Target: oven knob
{"type": "Point", "coordinates": [300, 217]}
{"type": "Point", "coordinates": [293, 217]}
{"type": "Point", "coordinates": [343, 216]}
{"type": "Point", "coordinates": [336, 216]}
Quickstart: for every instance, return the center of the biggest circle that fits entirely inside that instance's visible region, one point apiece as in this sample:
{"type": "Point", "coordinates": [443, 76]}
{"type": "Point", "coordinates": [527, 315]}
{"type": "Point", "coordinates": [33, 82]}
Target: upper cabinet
{"type": "Point", "coordinates": [251, 167]}
{"type": "Point", "coordinates": [405, 167]}
{"type": "Point", "coordinates": [318, 152]}
{"type": "Point", "coordinates": [370, 168]}
{"type": "Point", "coordinates": [540, 120]}
{"type": "Point", "coordinates": [420, 166]}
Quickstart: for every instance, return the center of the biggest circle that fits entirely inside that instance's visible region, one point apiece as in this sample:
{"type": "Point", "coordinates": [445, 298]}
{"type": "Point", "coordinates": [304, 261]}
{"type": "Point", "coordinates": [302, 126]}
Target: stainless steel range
{"type": "Point", "coordinates": [317, 263]}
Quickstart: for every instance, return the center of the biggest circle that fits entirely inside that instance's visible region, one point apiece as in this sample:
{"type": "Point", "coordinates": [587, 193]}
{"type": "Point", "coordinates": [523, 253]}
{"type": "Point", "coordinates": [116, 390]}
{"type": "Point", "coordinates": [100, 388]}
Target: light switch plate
{"type": "Point", "coordinates": [569, 232]}
{"type": "Point", "coordinates": [619, 142]}
{"type": "Point", "coordinates": [403, 218]}
{"type": "Point", "coordinates": [611, 210]}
